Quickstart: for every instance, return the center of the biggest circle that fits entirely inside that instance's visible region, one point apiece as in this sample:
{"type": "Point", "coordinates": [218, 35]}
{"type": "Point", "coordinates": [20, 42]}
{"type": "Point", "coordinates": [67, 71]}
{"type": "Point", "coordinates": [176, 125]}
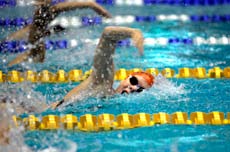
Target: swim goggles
{"type": "Point", "coordinates": [134, 81]}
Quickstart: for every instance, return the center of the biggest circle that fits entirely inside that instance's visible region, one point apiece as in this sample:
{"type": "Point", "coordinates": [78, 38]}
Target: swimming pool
{"type": "Point", "coordinates": [172, 95]}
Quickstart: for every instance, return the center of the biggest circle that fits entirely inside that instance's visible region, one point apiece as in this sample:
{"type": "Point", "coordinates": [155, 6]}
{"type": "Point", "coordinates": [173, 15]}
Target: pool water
{"type": "Point", "coordinates": [172, 95]}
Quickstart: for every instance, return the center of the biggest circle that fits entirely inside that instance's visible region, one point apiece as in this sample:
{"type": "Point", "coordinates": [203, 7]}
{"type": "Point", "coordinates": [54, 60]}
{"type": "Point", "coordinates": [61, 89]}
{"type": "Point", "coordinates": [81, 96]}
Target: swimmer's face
{"type": "Point", "coordinates": [134, 83]}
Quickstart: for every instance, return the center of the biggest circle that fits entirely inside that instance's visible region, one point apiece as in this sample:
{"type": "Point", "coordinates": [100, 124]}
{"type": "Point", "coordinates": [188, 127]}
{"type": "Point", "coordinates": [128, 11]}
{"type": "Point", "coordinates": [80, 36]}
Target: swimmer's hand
{"type": "Point", "coordinates": [55, 105]}
{"type": "Point", "coordinates": [138, 40]}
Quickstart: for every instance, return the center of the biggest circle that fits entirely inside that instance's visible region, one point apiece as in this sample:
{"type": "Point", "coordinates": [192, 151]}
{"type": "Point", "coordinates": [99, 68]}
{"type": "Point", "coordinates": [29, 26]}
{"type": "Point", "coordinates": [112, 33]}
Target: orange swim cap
{"type": "Point", "coordinates": [149, 78]}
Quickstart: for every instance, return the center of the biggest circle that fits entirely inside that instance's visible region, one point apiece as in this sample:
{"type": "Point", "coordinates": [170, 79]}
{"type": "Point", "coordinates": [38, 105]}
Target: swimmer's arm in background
{"type": "Point", "coordinates": [20, 58]}
{"type": "Point", "coordinates": [37, 53]}
{"type": "Point", "coordinates": [21, 34]}
{"type": "Point", "coordinates": [67, 6]}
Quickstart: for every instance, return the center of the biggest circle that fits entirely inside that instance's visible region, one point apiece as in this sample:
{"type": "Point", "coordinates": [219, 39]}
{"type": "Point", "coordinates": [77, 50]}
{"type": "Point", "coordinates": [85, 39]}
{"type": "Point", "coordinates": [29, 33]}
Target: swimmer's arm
{"type": "Point", "coordinates": [20, 34]}
{"type": "Point", "coordinates": [19, 59]}
{"type": "Point", "coordinates": [73, 95]}
{"type": "Point", "coordinates": [37, 54]}
{"type": "Point", "coordinates": [103, 68]}
{"type": "Point", "coordinates": [67, 6]}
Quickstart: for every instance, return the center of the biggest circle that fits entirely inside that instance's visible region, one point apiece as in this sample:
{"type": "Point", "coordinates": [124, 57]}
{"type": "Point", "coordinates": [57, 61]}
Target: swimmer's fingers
{"type": "Point", "coordinates": [138, 40]}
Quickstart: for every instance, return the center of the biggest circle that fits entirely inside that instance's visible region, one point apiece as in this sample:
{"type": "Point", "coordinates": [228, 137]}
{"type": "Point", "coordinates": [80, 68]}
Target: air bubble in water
{"type": "Point", "coordinates": [29, 96]}
{"type": "Point", "coordinates": [119, 135]}
{"type": "Point", "coordinates": [30, 60]}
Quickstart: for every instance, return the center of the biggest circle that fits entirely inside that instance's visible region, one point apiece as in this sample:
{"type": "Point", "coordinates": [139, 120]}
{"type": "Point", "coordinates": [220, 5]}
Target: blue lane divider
{"type": "Point", "coordinates": [20, 46]}
{"type": "Point", "coordinates": [107, 2]}
{"type": "Point", "coordinates": [194, 18]}
{"type": "Point", "coordinates": [12, 3]}
{"type": "Point", "coordinates": [213, 18]}
{"type": "Point", "coordinates": [54, 45]}
{"type": "Point", "coordinates": [57, 1]}
{"type": "Point", "coordinates": [15, 22]}
{"type": "Point", "coordinates": [8, 3]}
{"type": "Point", "coordinates": [13, 46]}
{"type": "Point", "coordinates": [87, 21]}
{"type": "Point", "coordinates": [145, 18]}
{"type": "Point", "coordinates": [178, 40]}
{"type": "Point", "coordinates": [186, 2]}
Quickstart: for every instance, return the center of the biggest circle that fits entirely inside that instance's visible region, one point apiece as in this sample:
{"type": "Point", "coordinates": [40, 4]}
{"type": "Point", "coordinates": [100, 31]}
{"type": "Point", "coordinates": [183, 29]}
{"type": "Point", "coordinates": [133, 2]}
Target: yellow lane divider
{"type": "Point", "coordinates": [105, 122]}
{"type": "Point", "coordinates": [77, 75]}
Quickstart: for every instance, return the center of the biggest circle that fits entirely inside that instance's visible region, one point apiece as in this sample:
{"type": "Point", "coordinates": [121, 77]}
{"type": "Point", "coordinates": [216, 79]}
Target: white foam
{"type": "Point", "coordinates": [164, 88]}
{"type": "Point", "coordinates": [72, 148]}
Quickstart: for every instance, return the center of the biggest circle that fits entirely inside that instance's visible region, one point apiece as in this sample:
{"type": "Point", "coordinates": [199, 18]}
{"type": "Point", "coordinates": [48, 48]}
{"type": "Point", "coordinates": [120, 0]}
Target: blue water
{"type": "Point", "coordinates": [186, 95]}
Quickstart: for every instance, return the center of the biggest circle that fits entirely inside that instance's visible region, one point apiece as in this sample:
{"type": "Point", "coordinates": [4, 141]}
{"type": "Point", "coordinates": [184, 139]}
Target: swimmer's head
{"type": "Point", "coordinates": [136, 82]}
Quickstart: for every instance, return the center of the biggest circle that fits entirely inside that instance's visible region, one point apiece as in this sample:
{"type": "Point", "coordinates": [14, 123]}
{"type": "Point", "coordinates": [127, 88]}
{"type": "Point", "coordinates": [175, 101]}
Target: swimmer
{"type": "Point", "coordinates": [44, 14]}
{"type": "Point", "coordinates": [100, 82]}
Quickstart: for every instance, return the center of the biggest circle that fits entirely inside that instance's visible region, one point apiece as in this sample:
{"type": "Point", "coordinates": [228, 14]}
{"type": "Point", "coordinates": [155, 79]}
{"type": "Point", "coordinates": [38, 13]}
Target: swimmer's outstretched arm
{"type": "Point", "coordinates": [40, 57]}
{"type": "Point", "coordinates": [40, 47]}
{"type": "Point", "coordinates": [21, 34]}
{"type": "Point", "coordinates": [103, 68]}
{"type": "Point", "coordinates": [67, 6]}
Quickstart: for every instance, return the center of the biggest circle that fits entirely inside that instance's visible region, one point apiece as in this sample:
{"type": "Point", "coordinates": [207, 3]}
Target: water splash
{"type": "Point", "coordinates": [166, 89]}
{"type": "Point", "coordinates": [16, 99]}
{"type": "Point", "coordinates": [22, 95]}
{"type": "Point", "coordinates": [12, 139]}
{"type": "Point", "coordinates": [72, 148]}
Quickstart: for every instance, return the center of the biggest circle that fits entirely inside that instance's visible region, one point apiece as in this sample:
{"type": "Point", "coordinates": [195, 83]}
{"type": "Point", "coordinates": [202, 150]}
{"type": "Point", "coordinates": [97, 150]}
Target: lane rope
{"type": "Point", "coordinates": [106, 121]}
{"type": "Point", "coordinates": [77, 75]}
{"type": "Point", "coordinates": [21, 46]}
{"type": "Point", "coordinates": [119, 20]}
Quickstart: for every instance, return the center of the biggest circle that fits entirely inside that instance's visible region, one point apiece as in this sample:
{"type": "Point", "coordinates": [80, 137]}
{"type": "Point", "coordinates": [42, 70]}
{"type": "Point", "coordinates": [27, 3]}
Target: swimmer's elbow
{"type": "Point", "coordinates": [110, 28]}
{"type": "Point", "coordinates": [119, 31]}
